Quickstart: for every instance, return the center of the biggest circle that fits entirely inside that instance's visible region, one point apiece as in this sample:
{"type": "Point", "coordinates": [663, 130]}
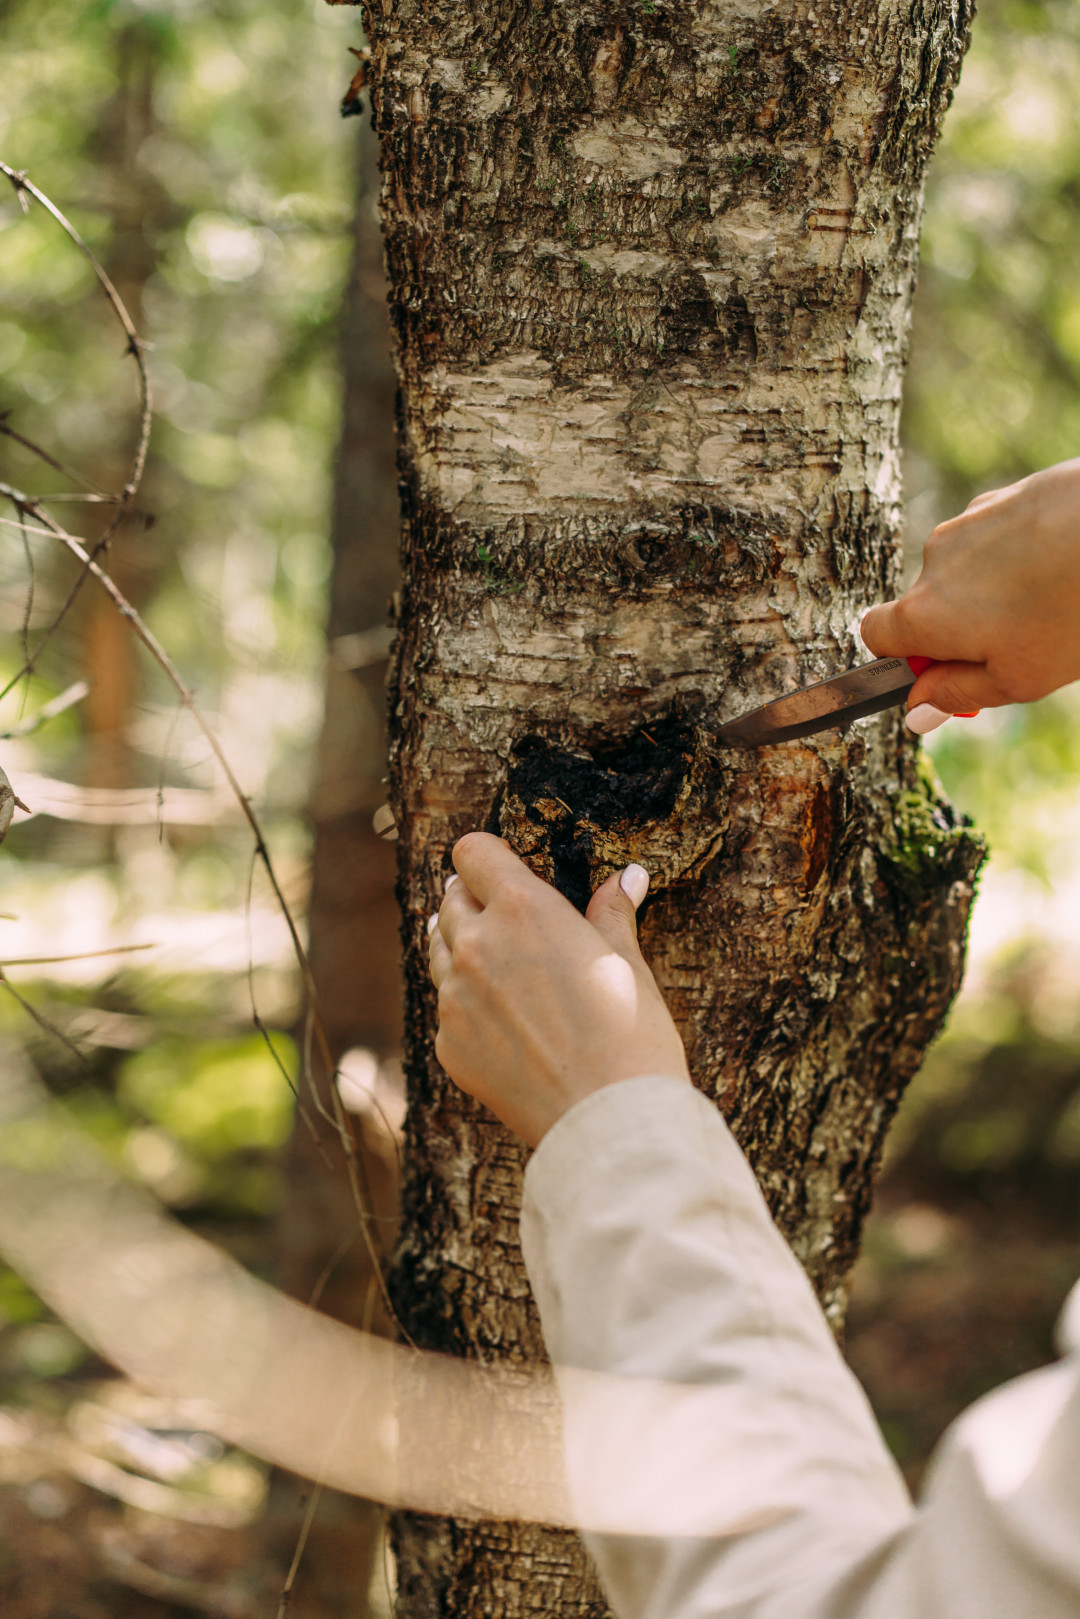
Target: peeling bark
{"type": "Point", "coordinates": [652, 268]}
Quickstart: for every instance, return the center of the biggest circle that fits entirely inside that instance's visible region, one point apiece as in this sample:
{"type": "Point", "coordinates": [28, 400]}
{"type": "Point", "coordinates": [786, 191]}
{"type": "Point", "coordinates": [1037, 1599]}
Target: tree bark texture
{"type": "Point", "coordinates": [651, 271]}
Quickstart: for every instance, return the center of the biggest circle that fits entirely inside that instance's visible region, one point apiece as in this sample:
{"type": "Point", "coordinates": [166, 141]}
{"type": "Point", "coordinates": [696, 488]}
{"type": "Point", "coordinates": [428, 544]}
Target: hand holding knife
{"type": "Point", "coordinates": [836, 702]}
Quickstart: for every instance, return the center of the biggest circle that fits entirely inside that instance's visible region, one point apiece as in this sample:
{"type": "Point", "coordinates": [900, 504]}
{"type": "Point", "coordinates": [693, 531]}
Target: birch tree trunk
{"type": "Point", "coordinates": [652, 267]}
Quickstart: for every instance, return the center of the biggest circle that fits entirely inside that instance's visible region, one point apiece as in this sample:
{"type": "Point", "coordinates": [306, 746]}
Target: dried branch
{"type": "Point", "coordinates": [294, 1566]}
{"type": "Point", "coordinates": [67, 699]}
{"type": "Point", "coordinates": [82, 955]}
{"type": "Point", "coordinates": [123, 502]}
{"type": "Point", "coordinates": [95, 491]}
{"type": "Point", "coordinates": [28, 606]}
{"type": "Point", "coordinates": [41, 1021]}
{"type": "Point", "coordinates": [23, 189]}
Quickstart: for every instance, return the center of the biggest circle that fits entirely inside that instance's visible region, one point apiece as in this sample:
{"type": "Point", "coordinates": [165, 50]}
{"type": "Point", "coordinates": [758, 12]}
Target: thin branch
{"type": "Point", "coordinates": [165, 750]}
{"type": "Point", "coordinates": [72, 597]}
{"type": "Point", "coordinates": [85, 500]}
{"type": "Point", "coordinates": [24, 627]}
{"type": "Point", "coordinates": [384, 1119]}
{"type": "Point", "coordinates": [123, 502]}
{"type": "Point", "coordinates": [294, 1567]}
{"type": "Point", "coordinates": [42, 1022]}
{"type": "Point", "coordinates": [256, 1018]}
{"type": "Point", "coordinates": [23, 188]}
{"type": "Point", "coordinates": [83, 955]}
{"type": "Point", "coordinates": [67, 699]}
{"type": "Point", "coordinates": [78, 549]}
{"type": "Point", "coordinates": [58, 466]}
{"type": "Point", "coordinates": [331, 1266]}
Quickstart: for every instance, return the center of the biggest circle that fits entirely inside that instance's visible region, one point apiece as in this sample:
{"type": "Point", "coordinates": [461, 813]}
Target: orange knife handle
{"type": "Point", "coordinates": [920, 665]}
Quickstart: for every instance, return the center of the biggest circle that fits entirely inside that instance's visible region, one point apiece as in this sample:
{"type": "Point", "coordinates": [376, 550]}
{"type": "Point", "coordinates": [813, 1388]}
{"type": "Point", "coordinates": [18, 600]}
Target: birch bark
{"type": "Point", "coordinates": [651, 271]}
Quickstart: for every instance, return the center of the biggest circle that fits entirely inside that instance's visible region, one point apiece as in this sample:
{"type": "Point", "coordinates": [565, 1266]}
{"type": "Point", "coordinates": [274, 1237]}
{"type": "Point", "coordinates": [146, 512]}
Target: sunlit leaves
{"type": "Point", "coordinates": [213, 1097]}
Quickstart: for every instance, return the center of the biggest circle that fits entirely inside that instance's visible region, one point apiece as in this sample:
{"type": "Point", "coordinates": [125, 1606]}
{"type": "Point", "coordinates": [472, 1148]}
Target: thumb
{"type": "Point", "coordinates": [881, 632]}
{"type": "Point", "coordinates": [613, 909]}
{"type": "Point", "coordinates": [956, 688]}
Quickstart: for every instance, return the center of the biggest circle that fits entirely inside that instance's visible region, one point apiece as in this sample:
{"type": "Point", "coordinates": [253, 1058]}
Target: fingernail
{"type": "Point", "coordinates": [925, 717]}
{"type": "Point", "coordinates": [634, 883]}
{"type": "Point", "coordinates": [450, 881]}
{"type": "Point", "coordinates": [433, 922]}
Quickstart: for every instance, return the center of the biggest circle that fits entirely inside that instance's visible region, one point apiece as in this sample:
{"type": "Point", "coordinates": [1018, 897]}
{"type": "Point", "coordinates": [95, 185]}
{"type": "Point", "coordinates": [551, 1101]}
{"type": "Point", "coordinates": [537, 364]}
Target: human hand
{"type": "Point", "coordinates": [997, 603]}
{"type": "Point", "coordinates": [538, 1005]}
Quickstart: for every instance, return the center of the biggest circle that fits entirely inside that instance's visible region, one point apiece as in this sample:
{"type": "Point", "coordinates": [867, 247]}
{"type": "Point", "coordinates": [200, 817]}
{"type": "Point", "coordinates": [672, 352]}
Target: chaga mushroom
{"type": "Point", "coordinates": [575, 816]}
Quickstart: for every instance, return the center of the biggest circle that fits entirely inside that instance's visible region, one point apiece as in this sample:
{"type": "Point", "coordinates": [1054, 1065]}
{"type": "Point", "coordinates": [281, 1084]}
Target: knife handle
{"type": "Point", "coordinates": [920, 665]}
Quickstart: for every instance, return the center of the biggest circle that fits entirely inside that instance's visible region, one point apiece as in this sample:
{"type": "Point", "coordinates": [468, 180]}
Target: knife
{"type": "Point", "coordinates": [836, 702]}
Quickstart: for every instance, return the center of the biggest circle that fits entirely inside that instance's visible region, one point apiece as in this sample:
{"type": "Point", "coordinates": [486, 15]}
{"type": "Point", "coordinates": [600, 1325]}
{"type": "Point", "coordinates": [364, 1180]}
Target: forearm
{"type": "Point", "coordinates": [732, 1428]}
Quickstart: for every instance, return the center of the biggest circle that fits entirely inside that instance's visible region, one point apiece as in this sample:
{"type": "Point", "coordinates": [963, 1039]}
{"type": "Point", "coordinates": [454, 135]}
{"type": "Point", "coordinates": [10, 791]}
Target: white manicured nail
{"type": "Point", "coordinates": [925, 717]}
{"type": "Point", "coordinates": [634, 883]}
{"type": "Point", "coordinates": [433, 922]}
{"type": "Point", "coordinates": [450, 881]}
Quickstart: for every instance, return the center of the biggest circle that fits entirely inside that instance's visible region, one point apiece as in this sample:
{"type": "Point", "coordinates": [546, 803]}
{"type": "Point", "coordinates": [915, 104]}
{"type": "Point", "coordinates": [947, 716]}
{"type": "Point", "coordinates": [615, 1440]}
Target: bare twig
{"type": "Point", "coordinates": [78, 549]}
{"type": "Point", "coordinates": [256, 1018]}
{"type": "Point", "coordinates": [58, 466]}
{"type": "Point", "coordinates": [331, 1266]}
{"type": "Point", "coordinates": [28, 608]}
{"type": "Point", "coordinates": [83, 955]}
{"type": "Point", "coordinates": [42, 1022]}
{"type": "Point", "coordinates": [123, 502]}
{"type": "Point", "coordinates": [166, 746]}
{"type": "Point", "coordinates": [67, 699]}
{"type": "Point", "coordinates": [24, 188]}
{"type": "Point", "coordinates": [84, 500]}
{"type": "Point", "coordinates": [294, 1566]}
{"type": "Point", "coordinates": [31, 661]}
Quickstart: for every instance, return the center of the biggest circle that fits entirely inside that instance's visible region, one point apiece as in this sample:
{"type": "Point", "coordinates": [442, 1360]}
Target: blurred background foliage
{"type": "Point", "coordinates": [198, 149]}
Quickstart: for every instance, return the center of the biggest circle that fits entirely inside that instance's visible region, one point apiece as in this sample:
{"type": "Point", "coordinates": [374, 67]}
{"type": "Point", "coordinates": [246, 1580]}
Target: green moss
{"type": "Point", "coordinates": [496, 578]}
{"type": "Point", "coordinates": [921, 832]}
{"type": "Point", "coordinates": [932, 845]}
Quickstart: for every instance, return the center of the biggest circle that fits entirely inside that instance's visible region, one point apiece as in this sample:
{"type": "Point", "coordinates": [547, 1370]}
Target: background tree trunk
{"type": "Point", "coordinates": [652, 268]}
{"type": "Point", "coordinates": [352, 914]}
{"type": "Point", "coordinates": [140, 210]}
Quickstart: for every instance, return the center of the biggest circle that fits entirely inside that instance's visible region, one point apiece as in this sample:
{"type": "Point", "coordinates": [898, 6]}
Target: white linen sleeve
{"type": "Point", "coordinates": [722, 1460]}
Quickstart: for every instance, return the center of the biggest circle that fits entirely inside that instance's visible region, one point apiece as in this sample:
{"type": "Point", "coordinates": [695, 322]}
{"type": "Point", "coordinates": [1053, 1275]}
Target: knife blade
{"type": "Point", "coordinates": [835, 702]}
